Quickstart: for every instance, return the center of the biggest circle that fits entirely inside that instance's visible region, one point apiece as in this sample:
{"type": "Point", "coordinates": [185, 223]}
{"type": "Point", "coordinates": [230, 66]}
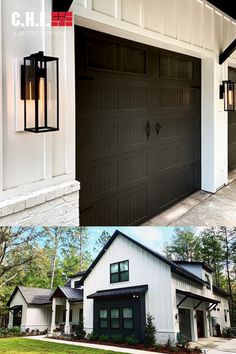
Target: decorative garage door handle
{"type": "Point", "coordinates": [158, 128]}
{"type": "Point", "coordinates": [148, 128]}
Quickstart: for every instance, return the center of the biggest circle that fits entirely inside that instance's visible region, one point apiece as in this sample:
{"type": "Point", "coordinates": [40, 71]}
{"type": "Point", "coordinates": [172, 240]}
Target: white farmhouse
{"type": "Point", "coordinates": [126, 282]}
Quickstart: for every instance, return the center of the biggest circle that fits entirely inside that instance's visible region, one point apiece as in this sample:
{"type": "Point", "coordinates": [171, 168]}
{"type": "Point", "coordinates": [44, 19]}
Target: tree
{"type": "Point", "coordinates": [17, 250]}
{"type": "Point", "coordinates": [102, 241]}
{"type": "Point", "coordinates": [212, 251]}
{"type": "Point", "coordinates": [185, 245]}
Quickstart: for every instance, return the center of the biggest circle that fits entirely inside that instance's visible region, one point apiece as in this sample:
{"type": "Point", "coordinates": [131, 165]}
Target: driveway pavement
{"type": "Point", "coordinates": [215, 345]}
{"type": "Point", "coordinates": [202, 209]}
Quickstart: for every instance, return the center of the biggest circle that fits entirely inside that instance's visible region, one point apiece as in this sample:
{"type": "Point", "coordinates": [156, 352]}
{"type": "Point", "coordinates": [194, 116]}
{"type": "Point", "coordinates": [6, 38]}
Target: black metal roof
{"type": "Point", "coordinates": [33, 296]}
{"type": "Point", "coordinates": [175, 268]}
{"type": "Point", "coordinates": [73, 295]}
{"type": "Point", "coordinates": [227, 6]}
{"type": "Point", "coordinates": [203, 264]}
{"type": "Point", "coordinates": [197, 297]}
{"type": "Point", "coordinates": [132, 290]}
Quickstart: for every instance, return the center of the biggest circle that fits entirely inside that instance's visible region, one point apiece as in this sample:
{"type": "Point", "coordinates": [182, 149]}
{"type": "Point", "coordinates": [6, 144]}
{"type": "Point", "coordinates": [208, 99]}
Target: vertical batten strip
{"type": "Point", "coordinates": [118, 10]}
{"type": "Point", "coordinates": [142, 14]}
{"type": "Point", "coordinates": [47, 138]}
{"type": "Point", "coordinates": [1, 111]}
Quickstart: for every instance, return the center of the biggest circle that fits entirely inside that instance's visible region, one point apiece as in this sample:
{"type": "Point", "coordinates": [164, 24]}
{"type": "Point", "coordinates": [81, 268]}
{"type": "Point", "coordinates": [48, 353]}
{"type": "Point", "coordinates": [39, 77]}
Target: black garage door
{"type": "Point", "coordinates": [137, 128]}
{"type": "Point", "coordinates": [232, 128]}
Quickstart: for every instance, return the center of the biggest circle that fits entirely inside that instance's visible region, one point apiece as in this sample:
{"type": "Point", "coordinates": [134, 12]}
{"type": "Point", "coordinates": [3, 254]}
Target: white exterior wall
{"type": "Point", "coordinates": [29, 162]}
{"type": "Point", "coordinates": [38, 317]}
{"type": "Point", "coordinates": [185, 285]}
{"type": "Point", "coordinates": [192, 27]}
{"type": "Point", "coordinates": [143, 269]}
{"type": "Point", "coordinates": [19, 300]}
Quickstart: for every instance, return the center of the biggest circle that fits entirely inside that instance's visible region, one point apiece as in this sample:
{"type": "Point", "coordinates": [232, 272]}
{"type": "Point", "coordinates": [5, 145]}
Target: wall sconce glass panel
{"type": "Point", "coordinates": [40, 92]}
{"type": "Point", "coordinates": [228, 93]}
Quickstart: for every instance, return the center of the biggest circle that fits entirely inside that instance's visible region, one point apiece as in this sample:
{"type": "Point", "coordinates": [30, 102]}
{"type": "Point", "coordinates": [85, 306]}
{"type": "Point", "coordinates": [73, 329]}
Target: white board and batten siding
{"type": "Point", "coordinates": [191, 27]}
{"type": "Point", "coordinates": [144, 269]}
{"type": "Point", "coordinates": [33, 317]}
{"type": "Point", "coordinates": [16, 301]}
{"type": "Point", "coordinates": [31, 163]}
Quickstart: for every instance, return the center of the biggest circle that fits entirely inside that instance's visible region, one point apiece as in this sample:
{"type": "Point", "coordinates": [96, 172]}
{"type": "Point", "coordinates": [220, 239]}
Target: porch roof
{"type": "Point", "coordinates": [73, 295]}
{"type": "Point", "coordinates": [32, 296]}
{"type": "Point", "coordinates": [133, 290]}
{"type": "Point", "coordinates": [188, 294]}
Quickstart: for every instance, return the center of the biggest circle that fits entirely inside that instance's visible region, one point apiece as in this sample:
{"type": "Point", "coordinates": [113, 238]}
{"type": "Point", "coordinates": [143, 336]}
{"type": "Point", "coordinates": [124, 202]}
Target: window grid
{"type": "Point", "coordinates": [120, 275]}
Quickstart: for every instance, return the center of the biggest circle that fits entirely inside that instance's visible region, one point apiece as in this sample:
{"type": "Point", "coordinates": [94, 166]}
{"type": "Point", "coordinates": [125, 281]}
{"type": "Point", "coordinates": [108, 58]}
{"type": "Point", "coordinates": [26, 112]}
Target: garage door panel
{"type": "Point", "coordinates": [135, 205]}
{"type": "Point", "coordinates": [133, 169]}
{"type": "Point", "coordinates": [138, 128]}
{"type": "Point", "coordinates": [94, 96]}
{"type": "Point", "coordinates": [133, 97]}
{"type": "Point", "coordinates": [105, 213]}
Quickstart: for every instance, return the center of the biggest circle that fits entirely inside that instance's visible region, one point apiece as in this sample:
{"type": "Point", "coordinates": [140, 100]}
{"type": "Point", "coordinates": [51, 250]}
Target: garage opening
{"type": "Point", "coordinates": [185, 323]}
{"type": "Point", "coordinates": [200, 324]}
{"type": "Point", "coordinates": [138, 133]}
{"type": "Point", "coordinates": [232, 129]}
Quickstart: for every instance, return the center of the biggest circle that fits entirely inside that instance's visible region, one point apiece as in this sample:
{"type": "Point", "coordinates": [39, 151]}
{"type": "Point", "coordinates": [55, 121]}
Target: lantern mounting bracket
{"type": "Point", "coordinates": [227, 52]}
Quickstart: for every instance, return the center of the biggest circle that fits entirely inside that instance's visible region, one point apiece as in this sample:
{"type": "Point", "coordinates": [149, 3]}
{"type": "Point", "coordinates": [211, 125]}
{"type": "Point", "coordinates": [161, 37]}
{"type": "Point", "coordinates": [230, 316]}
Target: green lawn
{"type": "Point", "coordinates": [28, 346]}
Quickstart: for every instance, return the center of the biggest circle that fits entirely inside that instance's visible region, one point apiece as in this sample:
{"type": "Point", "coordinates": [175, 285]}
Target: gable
{"type": "Point", "coordinates": [16, 299]}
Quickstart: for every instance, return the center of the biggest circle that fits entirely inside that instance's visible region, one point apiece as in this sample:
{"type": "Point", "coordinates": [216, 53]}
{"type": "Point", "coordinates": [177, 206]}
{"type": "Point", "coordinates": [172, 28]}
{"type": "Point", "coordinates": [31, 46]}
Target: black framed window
{"type": "Point", "coordinates": [128, 322]}
{"type": "Point", "coordinates": [77, 284]}
{"type": "Point", "coordinates": [115, 318]}
{"type": "Point", "coordinates": [103, 318]}
{"type": "Point", "coordinates": [119, 272]}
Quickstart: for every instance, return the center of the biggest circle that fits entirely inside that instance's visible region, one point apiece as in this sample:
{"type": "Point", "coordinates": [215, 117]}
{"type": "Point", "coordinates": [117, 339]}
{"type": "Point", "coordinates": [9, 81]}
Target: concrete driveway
{"type": "Point", "coordinates": [215, 345]}
{"type": "Point", "coordinates": [202, 209]}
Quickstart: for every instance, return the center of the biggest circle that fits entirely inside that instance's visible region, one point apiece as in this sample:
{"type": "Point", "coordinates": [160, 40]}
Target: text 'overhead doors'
{"type": "Point", "coordinates": [137, 128]}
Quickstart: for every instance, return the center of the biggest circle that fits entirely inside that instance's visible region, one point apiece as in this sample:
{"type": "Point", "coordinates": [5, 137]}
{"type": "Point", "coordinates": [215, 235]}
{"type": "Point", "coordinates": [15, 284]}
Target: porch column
{"type": "Point", "coordinates": [194, 325]}
{"type": "Point", "coordinates": [214, 127]}
{"type": "Point", "coordinates": [53, 323]}
{"type": "Point", "coordinates": [67, 324]}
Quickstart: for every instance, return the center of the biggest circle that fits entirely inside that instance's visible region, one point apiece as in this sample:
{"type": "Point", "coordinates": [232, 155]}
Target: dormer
{"type": "Point", "coordinates": [200, 269]}
{"type": "Point", "coordinates": [75, 280]}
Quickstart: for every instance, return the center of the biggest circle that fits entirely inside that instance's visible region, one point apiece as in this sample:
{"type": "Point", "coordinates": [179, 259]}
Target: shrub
{"type": "Point", "coordinates": [170, 344]}
{"type": "Point", "coordinates": [150, 332]}
{"type": "Point", "coordinates": [117, 338]}
{"type": "Point", "coordinates": [182, 340]}
{"type": "Point", "coordinates": [131, 340]}
{"type": "Point", "coordinates": [93, 336]}
{"type": "Point", "coordinates": [103, 338]}
{"type": "Point", "coordinates": [79, 330]}
{"type": "Point", "coordinates": [227, 332]}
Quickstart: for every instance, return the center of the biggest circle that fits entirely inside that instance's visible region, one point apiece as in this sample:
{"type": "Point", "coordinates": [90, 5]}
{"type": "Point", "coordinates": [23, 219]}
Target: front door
{"type": "Point", "coordinates": [200, 324]}
{"type": "Point", "coordinates": [185, 323]}
{"type": "Point", "coordinates": [17, 316]}
{"type": "Point", "coordinates": [138, 134]}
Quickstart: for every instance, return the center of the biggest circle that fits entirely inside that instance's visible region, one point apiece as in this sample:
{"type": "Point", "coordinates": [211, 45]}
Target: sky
{"type": "Point", "coordinates": [155, 238]}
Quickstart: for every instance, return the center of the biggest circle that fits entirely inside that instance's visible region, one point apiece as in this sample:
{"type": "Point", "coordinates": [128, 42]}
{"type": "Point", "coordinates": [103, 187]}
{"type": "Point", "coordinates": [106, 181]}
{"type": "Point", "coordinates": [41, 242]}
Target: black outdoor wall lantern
{"type": "Point", "coordinates": [228, 93]}
{"type": "Point", "coordinates": [40, 92]}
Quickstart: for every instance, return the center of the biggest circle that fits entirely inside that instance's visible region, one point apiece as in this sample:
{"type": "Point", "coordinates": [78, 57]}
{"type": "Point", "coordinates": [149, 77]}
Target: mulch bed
{"type": "Point", "coordinates": [160, 349]}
